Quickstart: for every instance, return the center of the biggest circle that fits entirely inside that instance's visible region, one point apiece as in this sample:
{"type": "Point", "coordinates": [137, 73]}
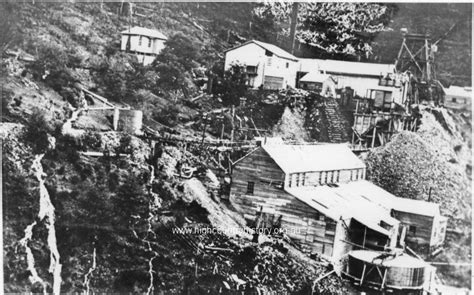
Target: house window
{"type": "Point", "coordinates": [412, 229]}
{"type": "Point", "coordinates": [149, 42]}
{"type": "Point", "coordinates": [297, 179]}
{"type": "Point", "coordinates": [250, 187]}
{"type": "Point", "coordinates": [268, 53]}
{"type": "Point", "coordinates": [287, 65]}
{"type": "Point", "coordinates": [454, 99]}
{"type": "Point", "coordinates": [337, 175]}
{"type": "Point", "coordinates": [289, 180]}
{"type": "Point", "coordinates": [140, 41]}
{"type": "Point", "coordinates": [303, 176]}
{"type": "Point", "coordinates": [326, 177]}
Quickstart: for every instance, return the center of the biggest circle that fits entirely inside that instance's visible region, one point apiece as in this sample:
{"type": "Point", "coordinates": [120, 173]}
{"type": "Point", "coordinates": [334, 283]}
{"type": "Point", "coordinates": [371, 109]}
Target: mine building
{"type": "Point", "coordinates": [319, 196]}
{"type": "Point", "coordinates": [145, 43]}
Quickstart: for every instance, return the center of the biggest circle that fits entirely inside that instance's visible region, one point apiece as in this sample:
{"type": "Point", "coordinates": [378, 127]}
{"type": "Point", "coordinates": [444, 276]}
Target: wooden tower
{"type": "Point", "coordinates": [417, 56]}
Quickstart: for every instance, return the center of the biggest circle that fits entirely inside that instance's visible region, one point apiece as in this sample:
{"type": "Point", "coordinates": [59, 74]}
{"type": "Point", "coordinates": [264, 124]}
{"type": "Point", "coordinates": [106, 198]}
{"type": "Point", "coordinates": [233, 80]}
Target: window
{"type": "Point", "coordinates": [337, 175]}
{"type": "Point", "coordinates": [326, 178]}
{"type": "Point", "coordinates": [289, 180]}
{"type": "Point", "coordinates": [321, 177]}
{"type": "Point", "coordinates": [454, 99]}
{"type": "Point", "coordinates": [287, 65]}
{"type": "Point", "coordinates": [303, 176]}
{"type": "Point", "coordinates": [149, 42]}
{"type": "Point", "coordinates": [268, 53]}
{"type": "Point", "coordinates": [412, 229]}
{"type": "Point", "coordinates": [140, 41]}
{"type": "Point", "coordinates": [250, 187]}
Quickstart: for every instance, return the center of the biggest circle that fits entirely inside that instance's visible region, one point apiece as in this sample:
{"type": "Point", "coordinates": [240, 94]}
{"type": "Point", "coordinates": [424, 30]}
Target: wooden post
{"type": "Point", "coordinates": [363, 274]}
{"type": "Point", "coordinates": [373, 136]}
{"type": "Point", "coordinates": [365, 233]}
{"type": "Point", "coordinates": [232, 123]}
{"type": "Point", "coordinates": [384, 278]}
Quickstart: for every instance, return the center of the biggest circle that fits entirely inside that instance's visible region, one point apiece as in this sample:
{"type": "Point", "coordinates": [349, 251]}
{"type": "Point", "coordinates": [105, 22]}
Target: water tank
{"type": "Point", "coordinates": [387, 270]}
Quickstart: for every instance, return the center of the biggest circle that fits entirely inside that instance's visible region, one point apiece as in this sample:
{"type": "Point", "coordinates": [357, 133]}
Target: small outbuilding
{"type": "Point", "coordinates": [456, 97]}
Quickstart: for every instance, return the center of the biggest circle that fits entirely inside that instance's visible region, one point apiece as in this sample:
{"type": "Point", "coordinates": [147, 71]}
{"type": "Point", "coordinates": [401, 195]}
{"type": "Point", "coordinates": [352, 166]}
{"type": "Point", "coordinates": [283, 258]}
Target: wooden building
{"type": "Point", "coordinates": [266, 65]}
{"type": "Point", "coordinates": [421, 221]}
{"type": "Point", "coordinates": [145, 43]}
{"type": "Point", "coordinates": [318, 195]}
{"type": "Point", "coordinates": [458, 98]}
{"type": "Point", "coordinates": [303, 186]}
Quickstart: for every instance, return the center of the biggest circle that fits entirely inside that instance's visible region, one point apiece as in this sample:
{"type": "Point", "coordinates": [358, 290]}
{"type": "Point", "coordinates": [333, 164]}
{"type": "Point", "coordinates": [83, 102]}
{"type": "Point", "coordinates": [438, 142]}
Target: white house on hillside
{"type": "Point", "coordinates": [267, 65]}
{"type": "Point", "coordinates": [457, 97]}
{"type": "Point", "coordinates": [145, 43]}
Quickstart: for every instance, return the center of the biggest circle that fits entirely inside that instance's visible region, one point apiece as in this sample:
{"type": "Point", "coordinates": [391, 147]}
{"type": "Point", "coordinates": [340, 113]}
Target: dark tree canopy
{"type": "Point", "coordinates": [231, 86]}
{"type": "Point", "coordinates": [336, 28]}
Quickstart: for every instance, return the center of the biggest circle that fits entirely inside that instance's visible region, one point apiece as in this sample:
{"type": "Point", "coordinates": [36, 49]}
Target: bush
{"type": "Point", "coordinates": [37, 132]}
{"type": "Point", "coordinates": [92, 140]}
{"type": "Point", "coordinates": [168, 115]}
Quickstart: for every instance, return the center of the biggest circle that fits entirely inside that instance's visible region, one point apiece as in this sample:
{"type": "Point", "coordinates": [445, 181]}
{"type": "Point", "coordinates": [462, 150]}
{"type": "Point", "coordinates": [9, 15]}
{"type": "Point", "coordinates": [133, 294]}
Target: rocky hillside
{"type": "Point", "coordinates": [113, 218]}
{"type": "Point", "coordinates": [435, 164]}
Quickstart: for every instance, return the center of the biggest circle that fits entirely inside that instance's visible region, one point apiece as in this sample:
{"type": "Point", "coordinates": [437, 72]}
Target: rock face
{"type": "Point", "coordinates": [291, 126]}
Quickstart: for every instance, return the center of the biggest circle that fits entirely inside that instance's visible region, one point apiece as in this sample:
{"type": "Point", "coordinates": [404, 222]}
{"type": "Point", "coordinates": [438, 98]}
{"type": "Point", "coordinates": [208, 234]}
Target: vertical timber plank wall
{"type": "Point", "coordinates": [423, 225]}
{"type": "Point", "coordinates": [312, 230]}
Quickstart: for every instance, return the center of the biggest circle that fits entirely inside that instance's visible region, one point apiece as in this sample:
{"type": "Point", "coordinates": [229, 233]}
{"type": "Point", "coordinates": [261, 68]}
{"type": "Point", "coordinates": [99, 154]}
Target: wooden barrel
{"type": "Point", "coordinates": [386, 271]}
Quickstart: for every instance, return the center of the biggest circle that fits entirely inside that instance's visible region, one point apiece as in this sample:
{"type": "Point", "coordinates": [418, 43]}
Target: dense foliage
{"type": "Point", "coordinates": [337, 28]}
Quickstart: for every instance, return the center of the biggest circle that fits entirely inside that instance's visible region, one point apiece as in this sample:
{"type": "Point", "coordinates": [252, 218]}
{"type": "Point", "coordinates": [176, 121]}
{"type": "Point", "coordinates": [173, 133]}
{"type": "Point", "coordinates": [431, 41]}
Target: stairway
{"type": "Point", "coordinates": [338, 129]}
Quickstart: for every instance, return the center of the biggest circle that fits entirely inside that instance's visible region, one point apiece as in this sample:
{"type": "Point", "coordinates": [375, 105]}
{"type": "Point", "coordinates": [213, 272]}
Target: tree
{"type": "Point", "coordinates": [175, 62]}
{"type": "Point", "coordinates": [231, 85]}
{"type": "Point", "coordinates": [336, 28]}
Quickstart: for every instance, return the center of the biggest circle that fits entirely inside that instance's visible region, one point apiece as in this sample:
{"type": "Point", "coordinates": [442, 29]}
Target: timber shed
{"type": "Point", "coordinates": [318, 195]}
{"type": "Point", "coordinates": [422, 221]}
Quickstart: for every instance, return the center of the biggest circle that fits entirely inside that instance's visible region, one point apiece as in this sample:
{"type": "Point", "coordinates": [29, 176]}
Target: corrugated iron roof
{"type": "Point", "coordinates": [270, 47]}
{"type": "Point", "coordinates": [313, 157]}
{"type": "Point", "coordinates": [314, 77]}
{"type": "Point", "coordinates": [145, 32]}
{"type": "Point", "coordinates": [337, 203]}
{"type": "Point", "coordinates": [355, 68]}
{"type": "Point", "coordinates": [458, 91]}
{"type": "Point", "coordinates": [383, 198]}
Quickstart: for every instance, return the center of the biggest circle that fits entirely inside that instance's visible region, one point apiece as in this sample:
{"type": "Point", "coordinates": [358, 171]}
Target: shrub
{"type": "Point", "coordinates": [36, 133]}
{"type": "Point", "coordinates": [168, 115]}
{"type": "Point", "coordinates": [92, 140]}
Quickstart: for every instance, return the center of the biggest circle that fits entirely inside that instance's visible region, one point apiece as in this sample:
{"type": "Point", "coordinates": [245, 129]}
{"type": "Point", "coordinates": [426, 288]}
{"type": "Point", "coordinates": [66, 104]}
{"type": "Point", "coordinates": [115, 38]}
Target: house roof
{"type": "Point", "coordinates": [314, 77]}
{"type": "Point", "coordinates": [313, 157]}
{"type": "Point", "coordinates": [389, 201]}
{"type": "Point", "coordinates": [270, 47]}
{"type": "Point", "coordinates": [154, 34]}
{"type": "Point", "coordinates": [355, 68]}
{"type": "Point", "coordinates": [339, 202]}
{"type": "Point", "coordinates": [458, 91]}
